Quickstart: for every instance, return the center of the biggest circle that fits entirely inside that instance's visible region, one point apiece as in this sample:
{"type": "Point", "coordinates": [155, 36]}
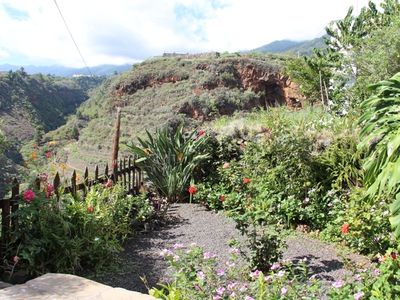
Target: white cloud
{"type": "Point", "coordinates": [122, 31]}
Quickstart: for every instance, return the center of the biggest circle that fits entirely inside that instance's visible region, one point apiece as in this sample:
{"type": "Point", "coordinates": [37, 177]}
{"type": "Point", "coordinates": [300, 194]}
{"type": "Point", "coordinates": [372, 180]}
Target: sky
{"type": "Point", "coordinates": [32, 32]}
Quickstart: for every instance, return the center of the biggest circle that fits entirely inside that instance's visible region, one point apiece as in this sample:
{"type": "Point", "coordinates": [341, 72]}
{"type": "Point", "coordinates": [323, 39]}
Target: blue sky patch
{"type": "Point", "coordinates": [15, 13]}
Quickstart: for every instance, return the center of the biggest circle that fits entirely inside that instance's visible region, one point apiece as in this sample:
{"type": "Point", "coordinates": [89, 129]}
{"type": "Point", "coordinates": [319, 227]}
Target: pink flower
{"type": "Point", "coordinates": [15, 259]}
{"type": "Point", "coordinates": [177, 246]}
{"type": "Point", "coordinates": [275, 266]}
{"type": "Point", "coordinates": [221, 272]}
{"type": "Point", "coordinates": [208, 255]}
{"type": "Point", "coordinates": [201, 275]}
{"type": "Point", "coordinates": [281, 273]}
{"type": "Point", "coordinates": [29, 195]}
{"type": "Point", "coordinates": [108, 184]}
{"type": "Point", "coordinates": [246, 180]}
{"type": "Point", "coordinates": [376, 272]}
{"type": "Point", "coordinates": [225, 165]}
{"type": "Point", "coordinates": [283, 291]}
{"type": "Point", "coordinates": [235, 251]}
{"type": "Point", "coordinates": [248, 298]}
{"type": "Point", "coordinates": [338, 284]}
{"type": "Point", "coordinates": [358, 296]}
{"type": "Point", "coordinates": [255, 274]}
{"type": "Point", "coordinates": [49, 190]}
{"type": "Point", "coordinates": [221, 290]}
{"type": "Point", "coordinates": [166, 252]}
{"type": "Point", "coordinates": [48, 154]}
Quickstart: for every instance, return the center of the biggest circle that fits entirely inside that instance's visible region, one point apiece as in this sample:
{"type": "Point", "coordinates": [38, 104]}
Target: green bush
{"type": "Point", "coordinates": [170, 159]}
{"type": "Point", "coordinates": [71, 234]}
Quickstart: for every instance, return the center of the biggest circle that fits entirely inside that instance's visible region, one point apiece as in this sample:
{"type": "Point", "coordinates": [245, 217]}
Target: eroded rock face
{"type": "Point", "coordinates": [65, 286]}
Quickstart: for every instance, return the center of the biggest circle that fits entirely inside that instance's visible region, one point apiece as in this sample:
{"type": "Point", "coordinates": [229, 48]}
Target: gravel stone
{"type": "Point", "coordinates": [192, 223]}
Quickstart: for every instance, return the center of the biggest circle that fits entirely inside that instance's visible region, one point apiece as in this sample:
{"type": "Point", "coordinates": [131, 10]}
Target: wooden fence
{"type": "Point", "coordinates": [125, 171]}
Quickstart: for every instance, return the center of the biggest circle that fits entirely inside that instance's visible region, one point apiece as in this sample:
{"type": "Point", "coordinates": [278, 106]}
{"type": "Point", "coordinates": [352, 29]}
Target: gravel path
{"type": "Point", "coordinates": [191, 223]}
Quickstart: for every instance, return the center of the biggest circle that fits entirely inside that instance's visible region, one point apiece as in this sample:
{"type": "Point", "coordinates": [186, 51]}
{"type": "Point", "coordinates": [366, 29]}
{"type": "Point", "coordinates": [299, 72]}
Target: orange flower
{"type": "Point", "coordinates": [222, 198]}
{"type": "Point", "coordinates": [246, 180]}
{"type": "Point", "coordinates": [345, 228]}
{"type": "Point", "coordinates": [34, 155]}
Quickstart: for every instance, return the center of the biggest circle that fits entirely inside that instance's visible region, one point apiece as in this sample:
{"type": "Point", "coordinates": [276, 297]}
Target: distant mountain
{"type": "Point", "coordinates": [289, 46]}
{"type": "Point", "coordinates": [101, 70]}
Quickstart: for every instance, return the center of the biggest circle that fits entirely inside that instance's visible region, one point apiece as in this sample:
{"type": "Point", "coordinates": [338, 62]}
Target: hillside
{"type": "Point", "coordinates": [167, 90]}
{"type": "Point", "coordinates": [31, 105]}
{"type": "Point", "coordinates": [292, 47]}
{"type": "Point", "coordinates": [101, 70]}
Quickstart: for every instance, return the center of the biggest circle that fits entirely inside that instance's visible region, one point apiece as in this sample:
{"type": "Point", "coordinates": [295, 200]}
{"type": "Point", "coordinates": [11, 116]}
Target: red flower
{"type": "Point", "coordinates": [201, 133]}
{"type": "Point", "coordinates": [345, 228]}
{"type": "Point", "coordinates": [393, 255]}
{"type": "Point", "coordinates": [90, 209]}
{"type": "Point", "coordinates": [192, 190]}
{"type": "Point", "coordinates": [108, 184]}
{"type": "Point", "coordinates": [29, 195]}
{"type": "Point", "coordinates": [48, 154]}
{"type": "Point", "coordinates": [222, 198]}
{"type": "Point", "coordinates": [246, 180]}
{"type": "Point", "coordinates": [49, 190]}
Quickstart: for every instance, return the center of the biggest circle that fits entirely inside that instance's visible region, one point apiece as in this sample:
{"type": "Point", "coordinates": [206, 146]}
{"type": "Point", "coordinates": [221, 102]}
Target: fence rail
{"type": "Point", "coordinates": [125, 171]}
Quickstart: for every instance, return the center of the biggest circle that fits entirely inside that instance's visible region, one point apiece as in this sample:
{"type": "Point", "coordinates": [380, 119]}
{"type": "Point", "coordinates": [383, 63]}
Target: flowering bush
{"type": "Point", "coordinates": [197, 275]}
{"type": "Point", "coordinates": [378, 282]}
{"type": "Point", "coordinates": [69, 234]}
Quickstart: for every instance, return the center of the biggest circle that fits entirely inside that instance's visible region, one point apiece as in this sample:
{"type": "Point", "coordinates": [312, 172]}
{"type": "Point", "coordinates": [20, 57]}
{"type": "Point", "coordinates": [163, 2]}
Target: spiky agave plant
{"type": "Point", "coordinates": [381, 136]}
{"type": "Point", "coordinates": [169, 159]}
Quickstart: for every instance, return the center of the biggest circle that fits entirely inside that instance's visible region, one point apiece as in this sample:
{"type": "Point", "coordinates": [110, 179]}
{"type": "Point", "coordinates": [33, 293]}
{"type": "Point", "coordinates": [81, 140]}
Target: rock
{"type": "Point", "coordinates": [65, 286]}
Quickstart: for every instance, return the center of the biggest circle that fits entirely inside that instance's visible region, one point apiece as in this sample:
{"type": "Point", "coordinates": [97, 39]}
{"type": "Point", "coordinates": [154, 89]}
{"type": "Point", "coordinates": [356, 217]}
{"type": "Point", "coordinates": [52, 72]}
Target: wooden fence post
{"type": "Point", "coordinates": [129, 174]}
{"type": "Point", "coordinates": [96, 174]}
{"type": "Point", "coordinates": [86, 182]}
{"type": "Point", "coordinates": [73, 183]}
{"type": "Point", "coordinates": [114, 159]}
{"type": "Point", "coordinates": [56, 185]}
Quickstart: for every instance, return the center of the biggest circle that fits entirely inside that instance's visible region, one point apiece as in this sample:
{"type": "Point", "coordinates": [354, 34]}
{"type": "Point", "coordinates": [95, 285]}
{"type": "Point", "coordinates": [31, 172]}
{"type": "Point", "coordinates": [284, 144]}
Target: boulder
{"type": "Point", "coordinates": [65, 286]}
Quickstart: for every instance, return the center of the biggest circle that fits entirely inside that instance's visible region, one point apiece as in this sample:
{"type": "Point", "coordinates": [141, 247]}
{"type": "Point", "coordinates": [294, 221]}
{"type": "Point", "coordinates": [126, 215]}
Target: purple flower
{"type": "Point", "coordinates": [221, 290]}
{"type": "Point", "coordinates": [255, 274]}
{"type": "Point", "coordinates": [177, 246]}
{"type": "Point", "coordinates": [338, 284]}
{"type": "Point", "coordinates": [283, 291]}
{"type": "Point", "coordinates": [377, 272]}
{"type": "Point", "coordinates": [275, 266]}
{"type": "Point", "coordinates": [230, 264]}
{"type": "Point", "coordinates": [281, 273]}
{"type": "Point", "coordinates": [358, 296]}
{"type": "Point", "coordinates": [231, 286]}
{"type": "Point", "coordinates": [248, 298]}
{"type": "Point", "coordinates": [201, 275]}
{"type": "Point", "coordinates": [358, 277]}
{"type": "Point", "coordinates": [208, 255]}
{"type": "Point", "coordinates": [268, 278]}
{"type": "Point", "coordinates": [220, 272]}
{"type": "Point", "coordinates": [216, 297]}
{"type": "Point", "coordinates": [244, 287]}
{"type": "Point", "coordinates": [233, 295]}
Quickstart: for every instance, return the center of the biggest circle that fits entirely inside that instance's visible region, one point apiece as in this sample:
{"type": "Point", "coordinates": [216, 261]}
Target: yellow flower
{"type": "Point", "coordinates": [78, 177]}
{"type": "Point", "coordinates": [52, 143]}
{"type": "Point", "coordinates": [63, 166]}
{"type": "Point", "coordinates": [147, 151]}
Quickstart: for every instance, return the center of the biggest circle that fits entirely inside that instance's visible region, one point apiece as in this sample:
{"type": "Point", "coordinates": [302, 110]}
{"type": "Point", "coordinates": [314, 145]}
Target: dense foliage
{"type": "Point", "coordinates": [71, 234]}
{"type": "Point", "coordinates": [170, 159]}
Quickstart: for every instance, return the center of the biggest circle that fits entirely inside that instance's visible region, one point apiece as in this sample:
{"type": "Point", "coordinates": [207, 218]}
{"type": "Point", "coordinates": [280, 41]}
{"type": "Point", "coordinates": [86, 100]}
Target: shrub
{"type": "Point", "coordinates": [169, 159]}
{"type": "Point", "coordinates": [70, 234]}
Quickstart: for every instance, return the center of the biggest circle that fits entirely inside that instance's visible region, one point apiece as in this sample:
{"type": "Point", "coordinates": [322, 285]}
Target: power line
{"type": "Point", "coordinates": [72, 38]}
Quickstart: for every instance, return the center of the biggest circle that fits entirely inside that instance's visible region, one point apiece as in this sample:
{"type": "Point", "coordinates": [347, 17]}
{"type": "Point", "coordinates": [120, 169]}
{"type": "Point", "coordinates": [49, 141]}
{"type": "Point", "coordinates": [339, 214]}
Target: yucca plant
{"type": "Point", "coordinates": [169, 159]}
{"type": "Point", "coordinates": [381, 136]}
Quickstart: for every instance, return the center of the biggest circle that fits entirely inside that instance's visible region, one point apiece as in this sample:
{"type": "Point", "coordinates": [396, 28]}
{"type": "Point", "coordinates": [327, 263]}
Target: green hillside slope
{"type": "Point", "coordinates": [167, 90]}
